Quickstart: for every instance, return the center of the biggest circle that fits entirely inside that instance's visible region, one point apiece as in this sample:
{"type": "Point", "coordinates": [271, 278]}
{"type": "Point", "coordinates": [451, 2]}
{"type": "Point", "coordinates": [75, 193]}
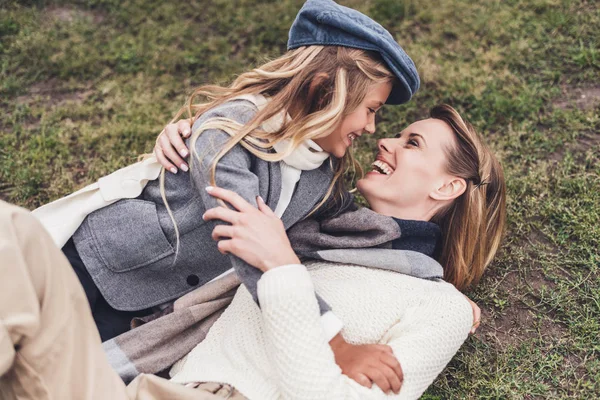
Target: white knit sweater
{"type": "Point", "coordinates": [280, 352]}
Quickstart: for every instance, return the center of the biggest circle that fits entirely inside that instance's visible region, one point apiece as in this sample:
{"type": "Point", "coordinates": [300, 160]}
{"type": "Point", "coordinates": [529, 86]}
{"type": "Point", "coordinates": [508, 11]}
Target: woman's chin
{"type": "Point", "coordinates": [368, 185]}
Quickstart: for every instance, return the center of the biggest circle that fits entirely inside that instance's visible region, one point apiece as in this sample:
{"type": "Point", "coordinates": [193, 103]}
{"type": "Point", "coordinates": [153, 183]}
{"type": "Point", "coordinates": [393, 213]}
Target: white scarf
{"type": "Point", "coordinates": [307, 156]}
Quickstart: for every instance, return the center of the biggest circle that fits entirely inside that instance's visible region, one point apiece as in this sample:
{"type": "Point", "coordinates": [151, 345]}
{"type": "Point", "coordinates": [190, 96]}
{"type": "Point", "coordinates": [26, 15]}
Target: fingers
{"type": "Point", "coordinates": [237, 201]}
{"type": "Point", "coordinates": [222, 231]}
{"type": "Point", "coordinates": [476, 315]}
{"type": "Point", "coordinates": [174, 132]}
{"type": "Point", "coordinates": [391, 361]}
{"type": "Point", "coordinates": [169, 152]}
{"type": "Point", "coordinates": [160, 157]}
{"type": "Point", "coordinates": [381, 376]}
{"type": "Point", "coordinates": [185, 128]}
{"type": "Point", "coordinates": [393, 379]}
{"type": "Point", "coordinates": [362, 380]}
{"type": "Point", "coordinates": [225, 246]}
{"type": "Point", "coordinates": [222, 213]}
{"type": "Point", "coordinates": [264, 208]}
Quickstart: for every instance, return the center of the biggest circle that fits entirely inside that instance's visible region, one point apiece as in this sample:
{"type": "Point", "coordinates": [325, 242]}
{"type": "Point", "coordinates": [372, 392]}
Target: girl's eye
{"type": "Point", "coordinates": [372, 110]}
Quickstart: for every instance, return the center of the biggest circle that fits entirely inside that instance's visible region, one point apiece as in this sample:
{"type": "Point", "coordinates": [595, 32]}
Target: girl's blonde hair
{"type": "Point", "coordinates": [322, 84]}
{"type": "Point", "coordinates": [472, 226]}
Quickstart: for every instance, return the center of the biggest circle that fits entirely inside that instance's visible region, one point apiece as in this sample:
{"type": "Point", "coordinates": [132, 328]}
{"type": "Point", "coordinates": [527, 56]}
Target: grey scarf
{"type": "Point", "coordinates": [360, 237]}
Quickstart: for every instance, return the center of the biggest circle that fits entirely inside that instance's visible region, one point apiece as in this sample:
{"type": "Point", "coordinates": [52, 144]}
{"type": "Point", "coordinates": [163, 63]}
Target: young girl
{"type": "Point", "coordinates": [281, 131]}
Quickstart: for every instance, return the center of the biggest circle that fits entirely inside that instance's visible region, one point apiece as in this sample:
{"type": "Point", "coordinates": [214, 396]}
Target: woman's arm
{"type": "Point", "coordinates": [258, 237]}
{"type": "Point", "coordinates": [424, 340]}
{"type": "Point", "coordinates": [170, 149]}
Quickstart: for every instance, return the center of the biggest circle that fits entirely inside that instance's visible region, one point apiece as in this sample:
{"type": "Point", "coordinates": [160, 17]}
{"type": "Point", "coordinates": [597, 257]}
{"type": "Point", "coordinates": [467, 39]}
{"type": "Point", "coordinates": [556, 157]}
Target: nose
{"type": "Point", "coordinates": [384, 145]}
{"type": "Point", "coordinates": [370, 127]}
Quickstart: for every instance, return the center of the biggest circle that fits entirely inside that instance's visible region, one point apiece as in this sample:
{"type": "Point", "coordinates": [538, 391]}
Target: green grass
{"type": "Point", "coordinates": [86, 86]}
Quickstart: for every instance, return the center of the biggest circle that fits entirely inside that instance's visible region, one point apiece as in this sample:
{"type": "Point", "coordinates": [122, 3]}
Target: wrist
{"type": "Point", "coordinates": [279, 261]}
{"type": "Point", "coordinates": [337, 342]}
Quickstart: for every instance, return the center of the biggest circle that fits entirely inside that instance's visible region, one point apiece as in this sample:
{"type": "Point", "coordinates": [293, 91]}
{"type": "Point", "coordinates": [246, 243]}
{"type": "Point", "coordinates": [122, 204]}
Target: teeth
{"type": "Point", "coordinates": [352, 137]}
{"type": "Point", "coordinates": [383, 167]}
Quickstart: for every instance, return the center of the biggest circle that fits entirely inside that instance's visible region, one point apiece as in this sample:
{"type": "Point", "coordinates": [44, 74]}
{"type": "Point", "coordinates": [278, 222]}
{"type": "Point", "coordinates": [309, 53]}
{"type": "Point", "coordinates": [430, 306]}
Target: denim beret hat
{"type": "Point", "coordinates": [325, 23]}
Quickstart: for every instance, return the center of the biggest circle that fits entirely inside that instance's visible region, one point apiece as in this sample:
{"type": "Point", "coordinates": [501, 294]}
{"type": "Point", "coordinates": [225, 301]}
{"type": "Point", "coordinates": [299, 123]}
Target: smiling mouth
{"type": "Point", "coordinates": [352, 137]}
{"type": "Point", "coordinates": [381, 167]}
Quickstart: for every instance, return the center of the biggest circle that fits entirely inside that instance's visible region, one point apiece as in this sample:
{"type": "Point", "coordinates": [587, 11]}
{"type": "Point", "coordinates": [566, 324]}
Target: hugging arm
{"type": "Point", "coordinates": [424, 340]}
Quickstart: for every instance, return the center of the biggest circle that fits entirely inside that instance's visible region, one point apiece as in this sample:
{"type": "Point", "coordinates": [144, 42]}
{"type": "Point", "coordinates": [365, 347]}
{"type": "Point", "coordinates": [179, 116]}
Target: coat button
{"type": "Point", "coordinates": [193, 280]}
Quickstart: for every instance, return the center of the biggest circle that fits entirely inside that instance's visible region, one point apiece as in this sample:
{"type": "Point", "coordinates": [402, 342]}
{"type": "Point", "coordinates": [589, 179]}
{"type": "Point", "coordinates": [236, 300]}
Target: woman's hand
{"type": "Point", "coordinates": [476, 315]}
{"type": "Point", "coordinates": [257, 236]}
{"type": "Point", "coordinates": [170, 146]}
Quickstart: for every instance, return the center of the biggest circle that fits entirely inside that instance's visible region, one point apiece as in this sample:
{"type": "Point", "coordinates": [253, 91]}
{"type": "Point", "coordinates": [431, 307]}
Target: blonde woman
{"type": "Point", "coordinates": [436, 174]}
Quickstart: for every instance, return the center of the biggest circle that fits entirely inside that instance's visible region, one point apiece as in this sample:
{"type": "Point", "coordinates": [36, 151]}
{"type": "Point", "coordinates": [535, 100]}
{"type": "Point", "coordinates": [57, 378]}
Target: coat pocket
{"type": "Point", "coordinates": [128, 235]}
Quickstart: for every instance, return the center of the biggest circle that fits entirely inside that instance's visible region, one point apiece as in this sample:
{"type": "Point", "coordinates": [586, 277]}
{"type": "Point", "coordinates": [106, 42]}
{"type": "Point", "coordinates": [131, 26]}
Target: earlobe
{"type": "Point", "coordinates": [449, 190]}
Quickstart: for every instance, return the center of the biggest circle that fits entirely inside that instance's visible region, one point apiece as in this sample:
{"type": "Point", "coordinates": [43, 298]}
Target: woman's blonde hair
{"type": "Point", "coordinates": [322, 84]}
{"type": "Point", "coordinates": [473, 225]}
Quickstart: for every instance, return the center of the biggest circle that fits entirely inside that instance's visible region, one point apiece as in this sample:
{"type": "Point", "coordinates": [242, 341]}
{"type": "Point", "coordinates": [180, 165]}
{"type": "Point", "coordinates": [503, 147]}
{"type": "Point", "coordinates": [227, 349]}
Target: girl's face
{"type": "Point", "coordinates": [410, 171]}
{"type": "Point", "coordinates": [356, 123]}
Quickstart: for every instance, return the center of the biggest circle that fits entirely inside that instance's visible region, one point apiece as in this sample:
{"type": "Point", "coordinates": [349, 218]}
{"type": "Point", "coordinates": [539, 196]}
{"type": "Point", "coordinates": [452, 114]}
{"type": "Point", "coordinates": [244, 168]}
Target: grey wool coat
{"type": "Point", "coordinates": [129, 247]}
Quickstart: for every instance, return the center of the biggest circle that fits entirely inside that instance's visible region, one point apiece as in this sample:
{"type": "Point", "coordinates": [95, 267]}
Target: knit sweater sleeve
{"type": "Point", "coordinates": [424, 341]}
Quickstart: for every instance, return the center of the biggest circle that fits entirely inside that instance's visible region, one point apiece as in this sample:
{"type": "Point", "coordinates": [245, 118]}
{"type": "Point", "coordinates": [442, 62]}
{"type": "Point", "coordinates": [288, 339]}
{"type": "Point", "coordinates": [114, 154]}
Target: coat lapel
{"type": "Point", "coordinates": [311, 188]}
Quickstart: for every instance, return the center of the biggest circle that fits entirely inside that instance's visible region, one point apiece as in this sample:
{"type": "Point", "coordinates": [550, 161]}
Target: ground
{"type": "Point", "coordinates": [86, 86]}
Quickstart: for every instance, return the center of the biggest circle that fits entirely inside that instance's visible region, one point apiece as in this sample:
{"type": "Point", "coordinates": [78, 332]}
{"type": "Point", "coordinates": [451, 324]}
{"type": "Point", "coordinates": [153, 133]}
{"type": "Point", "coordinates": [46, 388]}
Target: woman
{"type": "Point", "coordinates": [435, 170]}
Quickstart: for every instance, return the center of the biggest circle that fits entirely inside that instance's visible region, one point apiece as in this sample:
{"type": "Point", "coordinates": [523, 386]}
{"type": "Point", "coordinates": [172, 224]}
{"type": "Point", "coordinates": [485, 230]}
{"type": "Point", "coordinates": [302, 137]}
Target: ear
{"type": "Point", "coordinates": [450, 189]}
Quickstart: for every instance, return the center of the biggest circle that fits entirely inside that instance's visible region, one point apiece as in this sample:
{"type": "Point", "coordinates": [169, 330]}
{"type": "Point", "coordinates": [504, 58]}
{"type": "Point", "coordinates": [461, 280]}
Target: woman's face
{"type": "Point", "coordinates": [356, 123]}
{"type": "Point", "coordinates": [409, 170]}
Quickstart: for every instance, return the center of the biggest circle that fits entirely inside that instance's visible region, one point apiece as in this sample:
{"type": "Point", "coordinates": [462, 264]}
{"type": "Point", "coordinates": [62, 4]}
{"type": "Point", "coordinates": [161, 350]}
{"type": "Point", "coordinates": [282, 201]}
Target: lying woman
{"type": "Point", "coordinates": [437, 172]}
{"type": "Point", "coordinates": [436, 175]}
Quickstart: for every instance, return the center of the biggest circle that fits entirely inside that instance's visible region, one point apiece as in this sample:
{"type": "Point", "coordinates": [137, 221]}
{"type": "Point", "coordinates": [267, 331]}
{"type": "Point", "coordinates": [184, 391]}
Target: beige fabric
{"type": "Point", "coordinates": [151, 387]}
{"type": "Point", "coordinates": [62, 217]}
{"type": "Point", "coordinates": [49, 346]}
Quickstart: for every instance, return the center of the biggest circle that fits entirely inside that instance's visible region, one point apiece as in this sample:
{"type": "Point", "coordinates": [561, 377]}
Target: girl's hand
{"type": "Point", "coordinates": [368, 363]}
{"type": "Point", "coordinates": [257, 236]}
{"type": "Point", "coordinates": [169, 146]}
{"type": "Point", "coordinates": [476, 315]}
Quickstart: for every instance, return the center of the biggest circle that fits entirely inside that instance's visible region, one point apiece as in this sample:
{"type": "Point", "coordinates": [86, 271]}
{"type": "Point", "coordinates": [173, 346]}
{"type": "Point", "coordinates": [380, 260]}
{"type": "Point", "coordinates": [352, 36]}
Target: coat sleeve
{"type": "Point", "coordinates": [234, 172]}
{"type": "Point", "coordinates": [424, 341]}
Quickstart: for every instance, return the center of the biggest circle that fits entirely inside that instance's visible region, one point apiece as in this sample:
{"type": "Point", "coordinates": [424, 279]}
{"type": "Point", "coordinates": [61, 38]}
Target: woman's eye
{"type": "Point", "coordinates": [413, 142]}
